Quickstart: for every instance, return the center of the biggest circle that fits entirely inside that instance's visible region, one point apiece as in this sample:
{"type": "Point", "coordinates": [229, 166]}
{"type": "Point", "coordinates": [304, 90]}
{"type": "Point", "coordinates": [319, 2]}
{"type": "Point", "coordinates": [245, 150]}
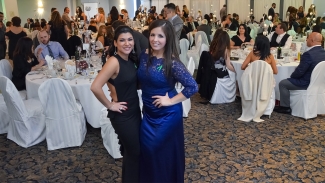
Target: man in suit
{"type": "Point", "coordinates": [234, 24]}
{"type": "Point", "coordinates": [223, 11]}
{"type": "Point", "coordinates": [29, 24]}
{"type": "Point", "coordinates": [280, 37]}
{"type": "Point", "coordinates": [205, 28]}
{"type": "Point", "coordinates": [177, 22]}
{"type": "Point", "coordinates": [271, 11]}
{"type": "Point", "coordinates": [300, 78]}
{"type": "Point", "coordinates": [191, 24]}
{"type": "Point", "coordinates": [65, 16]}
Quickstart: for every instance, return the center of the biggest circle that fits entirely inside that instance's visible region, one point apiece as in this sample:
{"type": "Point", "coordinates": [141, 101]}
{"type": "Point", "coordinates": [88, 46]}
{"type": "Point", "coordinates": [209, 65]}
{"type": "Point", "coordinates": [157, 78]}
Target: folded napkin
{"type": "Point", "coordinates": [70, 66]}
{"type": "Point", "coordinates": [49, 61]}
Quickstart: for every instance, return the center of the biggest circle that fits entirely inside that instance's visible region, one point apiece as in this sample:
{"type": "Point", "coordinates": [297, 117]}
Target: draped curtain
{"type": "Point", "coordinates": [145, 3]}
{"type": "Point", "coordinates": [206, 7]}
{"type": "Point", "coordinates": [159, 5]}
{"type": "Point", "coordinates": [287, 3]}
{"type": "Point", "coordinates": [260, 8]}
{"type": "Point", "coordinates": [241, 7]}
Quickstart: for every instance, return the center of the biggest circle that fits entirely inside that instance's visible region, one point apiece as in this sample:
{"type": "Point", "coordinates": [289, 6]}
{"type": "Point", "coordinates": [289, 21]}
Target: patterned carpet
{"type": "Point", "coordinates": [218, 149]}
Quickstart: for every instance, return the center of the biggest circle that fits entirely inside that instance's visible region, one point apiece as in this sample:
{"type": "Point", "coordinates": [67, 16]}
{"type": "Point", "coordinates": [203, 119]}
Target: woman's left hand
{"type": "Point", "coordinates": [162, 101]}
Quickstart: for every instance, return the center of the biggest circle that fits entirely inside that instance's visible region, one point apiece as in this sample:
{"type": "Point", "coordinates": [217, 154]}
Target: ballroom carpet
{"type": "Point", "coordinates": [218, 149]}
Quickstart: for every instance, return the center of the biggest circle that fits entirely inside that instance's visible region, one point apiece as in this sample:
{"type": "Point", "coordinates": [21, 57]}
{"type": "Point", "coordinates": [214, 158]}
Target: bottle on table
{"type": "Point", "coordinates": [279, 52]}
{"type": "Point", "coordinates": [103, 58]}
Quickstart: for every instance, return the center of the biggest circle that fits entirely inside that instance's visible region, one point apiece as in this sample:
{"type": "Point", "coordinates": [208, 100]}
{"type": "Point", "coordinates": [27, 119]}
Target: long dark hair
{"type": "Point", "coordinates": [114, 14]}
{"type": "Point", "coordinates": [245, 27]}
{"type": "Point", "coordinates": [24, 48]}
{"type": "Point", "coordinates": [170, 52]}
{"type": "Point", "coordinates": [79, 11]}
{"type": "Point", "coordinates": [262, 47]}
{"type": "Point", "coordinates": [213, 45]}
{"type": "Point", "coordinates": [118, 31]}
{"type": "Point", "coordinates": [223, 43]}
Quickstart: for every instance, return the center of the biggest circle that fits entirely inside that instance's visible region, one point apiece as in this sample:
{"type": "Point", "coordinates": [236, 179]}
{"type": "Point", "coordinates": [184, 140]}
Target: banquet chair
{"type": "Point", "coordinates": [225, 90]}
{"type": "Point", "coordinates": [186, 104]}
{"type": "Point", "coordinates": [6, 70]}
{"type": "Point", "coordinates": [184, 44]}
{"type": "Point", "coordinates": [109, 136]}
{"type": "Point", "coordinates": [27, 126]}
{"type": "Point", "coordinates": [203, 47]}
{"type": "Point", "coordinates": [64, 116]}
{"type": "Point", "coordinates": [257, 86]}
{"type": "Point", "coordinates": [190, 38]}
{"type": "Point", "coordinates": [308, 103]}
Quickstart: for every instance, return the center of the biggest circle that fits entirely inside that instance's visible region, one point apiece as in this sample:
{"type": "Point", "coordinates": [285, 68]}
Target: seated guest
{"type": "Point", "coordinates": [234, 23]}
{"type": "Point", "coordinates": [24, 61]}
{"type": "Point", "coordinates": [280, 37]}
{"type": "Point", "coordinates": [93, 26]}
{"type": "Point", "coordinates": [101, 36]}
{"type": "Point", "coordinates": [205, 28]}
{"type": "Point", "coordinates": [50, 48]}
{"type": "Point", "coordinates": [300, 78]}
{"type": "Point", "coordinates": [213, 64]}
{"type": "Point", "coordinates": [241, 37]}
{"type": "Point", "coordinates": [191, 24]}
{"type": "Point", "coordinates": [261, 52]}
{"type": "Point", "coordinates": [225, 21]}
{"type": "Point", "coordinates": [251, 20]}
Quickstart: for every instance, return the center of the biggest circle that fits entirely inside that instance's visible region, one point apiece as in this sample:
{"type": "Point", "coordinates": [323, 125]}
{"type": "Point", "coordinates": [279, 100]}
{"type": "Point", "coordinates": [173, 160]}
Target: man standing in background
{"type": "Point", "coordinates": [65, 16]}
{"type": "Point", "coordinates": [223, 11]}
{"type": "Point", "coordinates": [271, 11]}
{"type": "Point", "coordinates": [176, 21]}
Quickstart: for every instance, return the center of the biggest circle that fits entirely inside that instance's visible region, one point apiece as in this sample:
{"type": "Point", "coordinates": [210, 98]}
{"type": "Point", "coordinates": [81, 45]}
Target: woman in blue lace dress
{"type": "Point", "coordinates": [162, 156]}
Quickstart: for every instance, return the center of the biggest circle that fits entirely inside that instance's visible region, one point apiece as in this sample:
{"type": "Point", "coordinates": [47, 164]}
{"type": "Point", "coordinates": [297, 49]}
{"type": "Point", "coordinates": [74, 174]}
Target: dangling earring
{"type": "Point", "coordinates": [115, 51]}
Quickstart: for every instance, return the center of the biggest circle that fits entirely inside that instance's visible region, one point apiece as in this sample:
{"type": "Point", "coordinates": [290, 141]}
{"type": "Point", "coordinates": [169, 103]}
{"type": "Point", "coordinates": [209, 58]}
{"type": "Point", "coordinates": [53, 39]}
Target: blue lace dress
{"type": "Point", "coordinates": [161, 132]}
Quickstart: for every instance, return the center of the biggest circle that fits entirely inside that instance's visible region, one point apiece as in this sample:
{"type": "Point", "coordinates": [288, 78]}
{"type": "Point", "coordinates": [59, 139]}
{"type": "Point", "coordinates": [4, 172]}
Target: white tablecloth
{"type": "Point", "coordinates": [92, 107]}
{"type": "Point", "coordinates": [284, 72]}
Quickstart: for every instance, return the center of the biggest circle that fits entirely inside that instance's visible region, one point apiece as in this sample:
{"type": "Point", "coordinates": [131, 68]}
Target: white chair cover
{"type": "Point", "coordinates": [99, 45]}
{"type": "Point", "coordinates": [204, 47]}
{"type": "Point", "coordinates": [5, 68]}
{"type": "Point", "coordinates": [64, 117]}
{"type": "Point", "coordinates": [5, 118]}
{"type": "Point", "coordinates": [257, 85]}
{"type": "Point", "coordinates": [269, 109]}
{"type": "Point", "coordinates": [203, 37]}
{"type": "Point", "coordinates": [191, 66]}
{"type": "Point", "coordinates": [27, 126]}
{"type": "Point", "coordinates": [190, 38]}
{"type": "Point", "coordinates": [225, 90]}
{"type": "Point", "coordinates": [308, 103]}
{"type": "Point", "coordinates": [184, 44]}
{"type": "Point", "coordinates": [109, 136]}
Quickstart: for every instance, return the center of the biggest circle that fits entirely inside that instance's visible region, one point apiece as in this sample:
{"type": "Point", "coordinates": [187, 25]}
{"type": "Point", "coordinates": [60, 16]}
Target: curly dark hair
{"type": "Point", "coordinates": [114, 14]}
{"type": "Point", "coordinates": [262, 47]}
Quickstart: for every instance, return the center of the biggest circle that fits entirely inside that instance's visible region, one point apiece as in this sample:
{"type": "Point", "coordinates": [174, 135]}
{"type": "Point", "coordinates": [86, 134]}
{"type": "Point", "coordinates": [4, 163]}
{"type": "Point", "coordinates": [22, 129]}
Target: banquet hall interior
{"type": "Point", "coordinates": [220, 145]}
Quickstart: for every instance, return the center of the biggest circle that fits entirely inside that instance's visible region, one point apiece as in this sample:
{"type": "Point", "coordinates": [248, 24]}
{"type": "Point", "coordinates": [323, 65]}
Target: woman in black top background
{"type": "Point", "coordinates": [24, 61]}
{"type": "Point", "coordinates": [241, 37]}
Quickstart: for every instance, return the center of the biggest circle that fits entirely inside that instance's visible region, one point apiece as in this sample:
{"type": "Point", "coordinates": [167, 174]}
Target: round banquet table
{"type": "Point", "coordinates": [284, 72]}
{"type": "Point", "coordinates": [81, 90]}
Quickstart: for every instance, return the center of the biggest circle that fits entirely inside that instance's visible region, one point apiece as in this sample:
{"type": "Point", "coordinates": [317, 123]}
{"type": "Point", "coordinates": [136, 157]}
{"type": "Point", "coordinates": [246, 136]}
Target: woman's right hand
{"type": "Point", "coordinates": [118, 106]}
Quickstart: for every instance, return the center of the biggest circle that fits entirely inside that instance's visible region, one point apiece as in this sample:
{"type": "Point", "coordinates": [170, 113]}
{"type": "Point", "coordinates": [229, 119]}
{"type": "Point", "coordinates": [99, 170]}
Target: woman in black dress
{"type": "Point", "coordinates": [14, 34]}
{"type": "Point", "coordinates": [241, 37]}
{"type": "Point", "coordinates": [59, 29]}
{"type": "Point", "coordinates": [24, 62]}
{"type": "Point", "coordinates": [120, 73]}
